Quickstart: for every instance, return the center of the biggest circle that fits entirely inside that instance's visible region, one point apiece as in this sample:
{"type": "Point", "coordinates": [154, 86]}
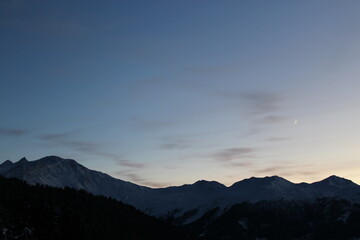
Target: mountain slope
{"type": "Point", "coordinates": [181, 204]}
{"type": "Point", "coordinates": [57, 172]}
{"type": "Point", "coordinates": [324, 218]}
{"type": "Point", "coordinates": [43, 212]}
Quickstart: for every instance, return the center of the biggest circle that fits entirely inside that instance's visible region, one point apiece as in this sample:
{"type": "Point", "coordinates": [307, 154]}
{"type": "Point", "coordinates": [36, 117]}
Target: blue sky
{"type": "Point", "coordinates": [169, 92]}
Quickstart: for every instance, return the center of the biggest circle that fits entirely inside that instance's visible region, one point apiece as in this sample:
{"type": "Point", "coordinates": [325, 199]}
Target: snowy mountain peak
{"type": "Point", "coordinates": [337, 181]}
{"type": "Point", "coordinates": [6, 163]}
{"type": "Point", "coordinates": [203, 182]}
{"type": "Point", "coordinates": [59, 172]}
{"type": "Point", "coordinates": [22, 161]}
{"type": "Point", "coordinates": [279, 180]}
{"type": "Point", "coordinates": [5, 166]}
{"type": "Point", "coordinates": [335, 178]}
{"type": "Point", "coordinates": [51, 166]}
{"type": "Point", "coordinates": [269, 181]}
{"type": "Point", "coordinates": [210, 186]}
{"type": "Point", "coordinates": [275, 178]}
{"type": "Point", "coordinates": [54, 160]}
{"type": "Point", "coordinates": [207, 183]}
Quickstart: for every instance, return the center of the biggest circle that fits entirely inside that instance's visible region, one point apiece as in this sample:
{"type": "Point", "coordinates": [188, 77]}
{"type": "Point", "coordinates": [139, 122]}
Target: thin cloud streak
{"type": "Point", "coordinates": [273, 119]}
{"type": "Point", "coordinates": [174, 144]}
{"type": "Point", "coordinates": [242, 164]}
{"type": "Point", "coordinates": [258, 102]}
{"type": "Point", "coordinates": [140, 124]}
{"type": "Point", "coordinates": [12, 132]}
{"type": "Point", "coordinates": [288, 170]}
{"type": "Point", "coordinates": [127, 163]}
{"type": "Point", "coordinates": [66, 140]}
{"type": "Point", "coordinates": [134, 177]}
{"type": "Point", "coordinates": [262, 102]}
{"type": "Point", "coordinates": [260, 109]}
{"type": "Point", "coordinates": [279, 139]}
{"type": "Point", "coordinates": [230, 154]}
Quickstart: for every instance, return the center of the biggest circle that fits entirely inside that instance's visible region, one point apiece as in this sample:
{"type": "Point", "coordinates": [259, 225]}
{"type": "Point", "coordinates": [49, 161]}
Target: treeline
{"type": "Point", "coordinates": [47, 213]}
{"type": "Point", "coordinates": [42, 212]}
{"type": "Point", "coordinates": [326, 219]}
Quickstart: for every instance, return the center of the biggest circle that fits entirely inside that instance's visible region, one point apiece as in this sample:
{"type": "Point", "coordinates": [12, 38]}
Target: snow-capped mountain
{"type": "Point", "coordinates": [188, 202]}
{"type": "Point", "coordinates": [57, 172]}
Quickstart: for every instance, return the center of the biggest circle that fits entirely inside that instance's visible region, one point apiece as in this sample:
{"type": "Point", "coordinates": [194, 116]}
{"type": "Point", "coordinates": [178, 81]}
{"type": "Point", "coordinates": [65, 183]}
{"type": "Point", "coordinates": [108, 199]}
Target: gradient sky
{"type": "Point", "coordinates": [169, 92]}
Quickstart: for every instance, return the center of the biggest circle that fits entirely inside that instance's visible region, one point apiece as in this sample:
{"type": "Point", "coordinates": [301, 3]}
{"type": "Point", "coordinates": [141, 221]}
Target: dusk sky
{"type": "Point", "coordinates": [170, 92]}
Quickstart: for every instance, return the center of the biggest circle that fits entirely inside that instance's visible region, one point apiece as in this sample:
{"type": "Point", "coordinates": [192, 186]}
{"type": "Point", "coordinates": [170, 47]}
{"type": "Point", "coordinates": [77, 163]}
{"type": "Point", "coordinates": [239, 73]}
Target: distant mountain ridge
{"type": "Point", "coordinates": [187, 202]}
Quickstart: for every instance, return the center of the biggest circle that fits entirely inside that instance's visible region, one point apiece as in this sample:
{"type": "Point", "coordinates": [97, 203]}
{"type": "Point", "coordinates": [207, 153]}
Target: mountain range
{"type": "Point", "coordinates": [186, 203]}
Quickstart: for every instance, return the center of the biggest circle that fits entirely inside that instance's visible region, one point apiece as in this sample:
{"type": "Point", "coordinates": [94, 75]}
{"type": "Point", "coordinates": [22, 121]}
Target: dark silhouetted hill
{"type": "Point", "coordinates": [45, 213]}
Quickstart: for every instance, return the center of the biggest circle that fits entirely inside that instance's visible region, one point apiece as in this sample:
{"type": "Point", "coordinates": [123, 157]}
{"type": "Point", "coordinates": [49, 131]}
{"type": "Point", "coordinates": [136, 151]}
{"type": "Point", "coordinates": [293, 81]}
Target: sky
{"type": "Point", "coordinates": [169, 92]}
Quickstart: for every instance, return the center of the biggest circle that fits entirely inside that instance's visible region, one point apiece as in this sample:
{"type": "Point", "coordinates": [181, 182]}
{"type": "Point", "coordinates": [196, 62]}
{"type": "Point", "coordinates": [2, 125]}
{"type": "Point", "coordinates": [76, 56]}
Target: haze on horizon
{"type": "Point", "coordinates": [170, 92]}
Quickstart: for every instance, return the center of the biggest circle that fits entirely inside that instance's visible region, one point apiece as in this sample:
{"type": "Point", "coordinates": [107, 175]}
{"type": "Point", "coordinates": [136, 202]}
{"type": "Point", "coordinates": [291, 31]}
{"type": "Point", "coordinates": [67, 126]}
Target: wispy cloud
{"type": "Point", "coordinates": [130, 176]}
{"type": "Point", "coordinates": [157, 184]}
{"type": "Point", "coordinates": [279, 139]}
{"type": "Point", "coordinates": [262, 102]}
{"type": "Point", "coordinates": [242, 164]}
{"type": "Point", "coordinates": [171, 167]}
{"type": "Point", "coordinates": [130, 164]}
{"type": "Point", "coordinates": [174, 144]}
{"type": "Point", "coordinates": [257, 102]}
{"type": "Point", "coordinates": [12, 132]}
{"type": "Point", "coordinates": [67, 140]}
{"type": "Point", "coordinates": [261, 110]}
{"type": "Point", "coordinates": [136, 178]}
{"type": "Point", "coordinates": [272, 119]}
{"type": "Point", "coordinates": [270, 170]}
{"type": "Point", "coordinates": [141, 124]}
{"type": "Point", "coordinates": [230, 154]}
{"type": "Point", "coordinates": [288, 169]}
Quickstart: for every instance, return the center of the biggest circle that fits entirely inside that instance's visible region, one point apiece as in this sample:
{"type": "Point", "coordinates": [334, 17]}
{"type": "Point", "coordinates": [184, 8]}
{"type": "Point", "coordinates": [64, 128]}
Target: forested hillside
{"type": "Point", "coordinates": [325, 218]}
{"type": "Point", "coordinates": [42, 212]}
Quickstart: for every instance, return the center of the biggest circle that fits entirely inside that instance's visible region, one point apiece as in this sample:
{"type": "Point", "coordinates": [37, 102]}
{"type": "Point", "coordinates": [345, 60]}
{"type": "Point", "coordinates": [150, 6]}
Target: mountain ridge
{"type": "Point", "coordinates": [190, 200]}
{"type": "Point", "coordinates": [57, 158]}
